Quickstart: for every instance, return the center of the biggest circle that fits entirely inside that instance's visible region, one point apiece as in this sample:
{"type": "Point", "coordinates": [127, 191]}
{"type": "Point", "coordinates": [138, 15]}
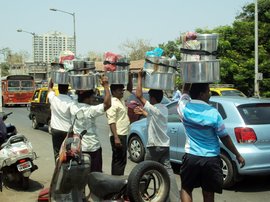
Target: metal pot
{"type": "Point", "coordinates": [83, 82]}
{"type": "Point", "coordinates": [89, 65]}
{"type": "Point", "coordinates": [78, 64]}
{"type": "Point", "coordinates": [161, 81]}
{"type": "Point", "coordinates": [60, 77]}
{"type": "Point", "coordinates": [117, 77]}
{"type": "Point", "coordinates": [150, 67]}
{"type": "Point", "coordinates": [209, 42]}
{"type": "Point", "coordinates": [200, 71]}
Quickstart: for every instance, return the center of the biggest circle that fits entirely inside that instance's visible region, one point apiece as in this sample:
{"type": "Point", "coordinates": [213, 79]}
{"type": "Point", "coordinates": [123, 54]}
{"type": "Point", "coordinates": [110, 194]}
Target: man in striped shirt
{"type": "Point", "coordinates": [204, 127]}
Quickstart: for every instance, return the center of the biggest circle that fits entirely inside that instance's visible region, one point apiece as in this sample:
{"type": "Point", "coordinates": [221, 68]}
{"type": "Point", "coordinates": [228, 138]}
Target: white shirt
{"type": "Point", "coordinates": [157, 120]}
{"type": "Point", "coordinates": [60, 112]}
{"type": "Point", "coordinates": [90, 141]}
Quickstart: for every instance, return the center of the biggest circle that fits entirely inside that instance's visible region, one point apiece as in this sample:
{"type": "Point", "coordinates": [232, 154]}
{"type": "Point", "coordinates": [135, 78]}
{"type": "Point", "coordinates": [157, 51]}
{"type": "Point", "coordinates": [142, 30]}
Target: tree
{"type": "Point", "coordinates": [136, 49]}
{"type": "Point", "coordinates": [236, 49]}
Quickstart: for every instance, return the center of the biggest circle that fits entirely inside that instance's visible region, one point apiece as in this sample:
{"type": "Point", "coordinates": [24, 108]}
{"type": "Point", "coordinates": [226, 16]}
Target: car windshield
{"type": "Point", "coordinates": [255, 113]}
{"type": "Point", "coordinates": [232, 93]}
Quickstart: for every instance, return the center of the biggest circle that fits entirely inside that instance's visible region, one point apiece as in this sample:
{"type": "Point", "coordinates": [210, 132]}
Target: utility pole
{"type": "Point", "coordinates": [256, 83]}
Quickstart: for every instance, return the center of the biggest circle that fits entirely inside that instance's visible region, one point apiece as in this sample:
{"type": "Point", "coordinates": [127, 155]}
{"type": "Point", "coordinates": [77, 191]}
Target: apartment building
{"type": "Point", "coordinates": [47, 47]}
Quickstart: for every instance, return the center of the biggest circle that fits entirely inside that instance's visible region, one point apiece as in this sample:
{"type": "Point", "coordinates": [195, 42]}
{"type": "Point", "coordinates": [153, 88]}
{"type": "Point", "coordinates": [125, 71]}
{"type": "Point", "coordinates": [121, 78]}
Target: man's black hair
{"type": "Point", "coordinates": [114, 87]}
{"type": "Point", "coordinates": [197, 88]}
{"type": "Point", "coordinates": [157, 94]}
{"type": "Point", "coordinates": [63, 88]}
{"type": "Point", "coordinates": [82, 95]}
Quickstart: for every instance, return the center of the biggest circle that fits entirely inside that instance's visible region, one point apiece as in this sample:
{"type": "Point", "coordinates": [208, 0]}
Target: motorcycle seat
{"type": "Point", "coordinates": [102, 184]}
{"type": "Point", "coordinates": [13, 139]}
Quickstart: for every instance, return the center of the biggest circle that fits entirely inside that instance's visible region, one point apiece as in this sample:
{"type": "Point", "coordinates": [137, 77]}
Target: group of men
{"type": "Point", "coordinates": [203, 126]}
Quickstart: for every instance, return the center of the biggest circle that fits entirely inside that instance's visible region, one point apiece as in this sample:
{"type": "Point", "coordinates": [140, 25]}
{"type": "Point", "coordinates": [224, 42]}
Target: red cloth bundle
{"type": "Point", "coordinates": [110, 61]}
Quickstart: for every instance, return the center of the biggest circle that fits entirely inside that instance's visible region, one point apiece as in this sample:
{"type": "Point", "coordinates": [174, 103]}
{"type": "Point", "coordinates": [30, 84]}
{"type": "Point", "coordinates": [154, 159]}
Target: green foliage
{"type": "Point", "coordinates": [4, 69]}
{"type": "Point", "coordinates": [236, 49]}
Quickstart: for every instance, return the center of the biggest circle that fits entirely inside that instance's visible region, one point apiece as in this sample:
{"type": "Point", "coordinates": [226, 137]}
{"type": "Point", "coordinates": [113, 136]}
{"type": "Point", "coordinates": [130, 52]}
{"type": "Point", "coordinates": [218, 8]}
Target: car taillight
{"type": "Point", "coordinates": [245, 135]}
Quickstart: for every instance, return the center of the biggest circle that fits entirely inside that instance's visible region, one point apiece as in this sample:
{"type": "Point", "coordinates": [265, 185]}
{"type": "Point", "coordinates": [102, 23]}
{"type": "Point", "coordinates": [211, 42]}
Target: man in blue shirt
{"type": "Point", "coordinates": [204, 127]}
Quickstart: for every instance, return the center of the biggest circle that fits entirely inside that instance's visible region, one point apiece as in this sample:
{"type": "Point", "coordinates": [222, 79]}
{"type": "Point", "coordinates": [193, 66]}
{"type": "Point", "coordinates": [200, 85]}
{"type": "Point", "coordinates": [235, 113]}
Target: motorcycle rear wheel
{"type": "Point", "coordinates": [148, 181]}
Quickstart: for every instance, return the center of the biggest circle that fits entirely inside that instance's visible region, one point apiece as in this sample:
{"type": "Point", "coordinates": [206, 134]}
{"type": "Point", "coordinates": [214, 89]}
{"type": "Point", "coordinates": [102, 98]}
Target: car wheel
{"type": "Point", "coordinates": [49, 127]}
{"type": "Point", "coordinates": [228, 171]}
{"type": "Point", "coordinates": [136, 149]}
{"type": "Point", "coordinates": [34, 123]}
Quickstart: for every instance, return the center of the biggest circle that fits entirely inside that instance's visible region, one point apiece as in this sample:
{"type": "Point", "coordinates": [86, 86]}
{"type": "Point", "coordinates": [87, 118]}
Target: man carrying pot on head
{"type": "Point", "coordinates": [158, 143]}
{"type": "Point", "coordinates": [90, 142]}
{"type": "Point", "coordinates": [60, 115]}
{"type": "Point", "coordinates": [118, 121]}
{"type": "Point", "coordinates": [203, 127]}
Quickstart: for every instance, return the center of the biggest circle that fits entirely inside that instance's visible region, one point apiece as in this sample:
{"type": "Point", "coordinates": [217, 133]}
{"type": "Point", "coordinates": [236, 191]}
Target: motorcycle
{"type": "Point", "coordinates": [148, 180]}
{"type": "Point", "coordinates": [16, 158]}
{"type": "Point", "coordinates": [71, 170]}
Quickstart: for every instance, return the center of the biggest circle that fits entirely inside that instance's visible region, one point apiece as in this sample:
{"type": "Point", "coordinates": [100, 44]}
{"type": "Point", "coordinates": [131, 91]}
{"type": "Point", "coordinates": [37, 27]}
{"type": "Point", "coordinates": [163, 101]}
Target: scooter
{"type": "Point", "coordinates": [16, 158]}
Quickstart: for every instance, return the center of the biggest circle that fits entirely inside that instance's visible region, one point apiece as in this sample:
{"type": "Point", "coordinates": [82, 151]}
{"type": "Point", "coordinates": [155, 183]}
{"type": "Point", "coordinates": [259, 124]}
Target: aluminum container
{"type": "Point", "coordinates": [83, 82]}
{"type": "Point", "coordinates": [160, 81]}
{"type": "Point", "coordinates": [60, 77]}
{"type": "Point", "coordinates": [200, 71]}
{"type": "Point", "coordinates": [154, 67]}
{"type": "Point", "coordinates": [209, 42]}
{"type": "Point", "coordinates": [78, 64]}
{"type": "Point", "coordinates": [89, 65]}
{"type": "Point", "coordinates": [117, 77]}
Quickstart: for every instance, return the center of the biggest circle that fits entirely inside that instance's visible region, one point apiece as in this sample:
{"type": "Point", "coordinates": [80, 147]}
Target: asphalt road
{"type": "Point", "coordinates": [251, 189]}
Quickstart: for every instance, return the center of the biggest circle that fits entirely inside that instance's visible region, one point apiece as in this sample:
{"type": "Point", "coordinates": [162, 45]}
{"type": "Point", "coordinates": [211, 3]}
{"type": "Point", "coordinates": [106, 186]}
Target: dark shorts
{"type": "Point", "coordinates": [205, 172]}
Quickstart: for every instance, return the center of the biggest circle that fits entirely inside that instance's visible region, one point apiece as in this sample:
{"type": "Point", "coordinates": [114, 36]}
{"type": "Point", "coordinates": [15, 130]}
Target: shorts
{"type": "Point", "coordinates": [204, 172]}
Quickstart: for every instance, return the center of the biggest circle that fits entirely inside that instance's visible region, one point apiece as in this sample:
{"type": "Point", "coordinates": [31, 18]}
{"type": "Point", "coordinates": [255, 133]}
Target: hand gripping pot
{"type": "Point", "coordinates": [83, 82]}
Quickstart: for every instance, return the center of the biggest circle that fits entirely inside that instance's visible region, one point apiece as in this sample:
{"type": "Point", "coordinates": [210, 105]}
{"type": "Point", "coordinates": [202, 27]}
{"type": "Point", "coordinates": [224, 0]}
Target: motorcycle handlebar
{"type": "Point", "coordinates": [8, 114]}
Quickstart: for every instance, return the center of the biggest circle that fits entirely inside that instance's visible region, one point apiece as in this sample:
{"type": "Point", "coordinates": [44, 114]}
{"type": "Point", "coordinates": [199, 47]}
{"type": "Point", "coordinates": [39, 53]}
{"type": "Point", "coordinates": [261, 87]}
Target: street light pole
{"type": "Point", "coordinates": [74, 27]}
{"type": "Point", "coordinates": [33, 34]}
{"type": "Point", "coordinates": [256, 83]}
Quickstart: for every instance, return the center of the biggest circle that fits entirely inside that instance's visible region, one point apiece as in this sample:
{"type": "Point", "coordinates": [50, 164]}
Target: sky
{"type": "Point", "coordinates": [104, 25]}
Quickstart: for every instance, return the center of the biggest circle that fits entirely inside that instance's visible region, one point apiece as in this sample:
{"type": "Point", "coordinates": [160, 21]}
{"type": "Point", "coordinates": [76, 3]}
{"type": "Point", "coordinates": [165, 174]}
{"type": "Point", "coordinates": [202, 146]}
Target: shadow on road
{"type": "Point", "coordinates": [33, 186]}
{"type": "Point", "coordinates": [253, 184]}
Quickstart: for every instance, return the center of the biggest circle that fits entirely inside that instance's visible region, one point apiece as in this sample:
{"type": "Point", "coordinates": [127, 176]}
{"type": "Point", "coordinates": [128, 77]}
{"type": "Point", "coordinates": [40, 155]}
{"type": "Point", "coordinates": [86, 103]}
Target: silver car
{"type": "Point", "coordinates": [248, 123]}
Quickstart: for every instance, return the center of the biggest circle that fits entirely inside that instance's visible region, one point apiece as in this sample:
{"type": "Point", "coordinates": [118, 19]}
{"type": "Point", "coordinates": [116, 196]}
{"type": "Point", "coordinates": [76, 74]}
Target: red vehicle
{"type": "Point", "coordinates": [17, 89]}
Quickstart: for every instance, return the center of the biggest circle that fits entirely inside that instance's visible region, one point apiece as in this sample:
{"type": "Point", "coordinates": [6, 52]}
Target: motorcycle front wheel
{"type": "Point", "coordinates": [148, 181]}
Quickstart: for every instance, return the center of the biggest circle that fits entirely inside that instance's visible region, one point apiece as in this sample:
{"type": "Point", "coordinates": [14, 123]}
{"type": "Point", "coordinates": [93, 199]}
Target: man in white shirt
{"type": "Point", "coordinates": [158, 144]}
{"type": "Point", "coordinates": [60, 115]}
{"type": "Point", "coordinates": [90, 141]}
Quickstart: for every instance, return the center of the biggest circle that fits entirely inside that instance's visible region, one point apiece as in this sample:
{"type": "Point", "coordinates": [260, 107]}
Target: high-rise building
{"type": "Point", "coordinates": [47, 47]}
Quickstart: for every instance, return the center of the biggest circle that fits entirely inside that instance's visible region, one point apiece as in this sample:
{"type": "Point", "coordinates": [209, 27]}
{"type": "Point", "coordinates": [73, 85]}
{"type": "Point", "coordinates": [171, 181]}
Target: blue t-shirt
{"type": "Point", "coordinates": [203, 126]}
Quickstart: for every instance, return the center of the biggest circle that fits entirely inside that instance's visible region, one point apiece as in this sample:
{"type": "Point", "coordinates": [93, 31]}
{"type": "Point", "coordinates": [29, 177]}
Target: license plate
{"type": "Point", "coordinates": [24, 166]}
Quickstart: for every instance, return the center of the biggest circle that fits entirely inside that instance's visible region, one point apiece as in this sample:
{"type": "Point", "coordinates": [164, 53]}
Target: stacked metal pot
{"type": "Point", "coordinates": [78, 73]}
{"type": "Point", "coordinates": [199, 63]}
{"type": "Point", "coordinates": [159, 71]}
{"type": "Point", "coordinates": [116, 68]}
